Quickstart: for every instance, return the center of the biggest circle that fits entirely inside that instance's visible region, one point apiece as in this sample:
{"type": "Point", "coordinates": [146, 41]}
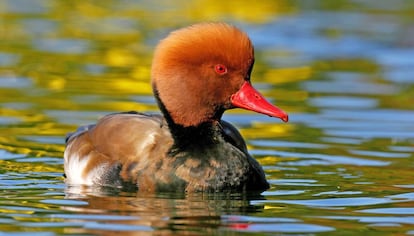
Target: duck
{"type": "Point", "coordinates": [198, 72]}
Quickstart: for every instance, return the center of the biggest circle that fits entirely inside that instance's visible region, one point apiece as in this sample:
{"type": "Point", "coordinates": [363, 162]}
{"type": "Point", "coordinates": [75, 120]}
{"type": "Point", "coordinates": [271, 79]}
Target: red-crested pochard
{"type": "Point", "coordinates": [197, 73]}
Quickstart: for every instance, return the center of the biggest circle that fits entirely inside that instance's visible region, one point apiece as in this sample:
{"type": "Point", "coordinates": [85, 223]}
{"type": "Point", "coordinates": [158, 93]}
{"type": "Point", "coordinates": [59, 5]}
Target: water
{"type": "Point", "coordinates": [343, 70]}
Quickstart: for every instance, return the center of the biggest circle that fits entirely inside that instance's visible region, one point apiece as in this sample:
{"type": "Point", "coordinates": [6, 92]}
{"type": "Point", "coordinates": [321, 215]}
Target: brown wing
{"type": "Point", "coordinates": [110, 151]}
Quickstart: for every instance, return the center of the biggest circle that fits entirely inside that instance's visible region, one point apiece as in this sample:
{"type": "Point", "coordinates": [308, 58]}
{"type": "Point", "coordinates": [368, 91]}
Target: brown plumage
{"type": "Point", "coordinates": [198, 72]}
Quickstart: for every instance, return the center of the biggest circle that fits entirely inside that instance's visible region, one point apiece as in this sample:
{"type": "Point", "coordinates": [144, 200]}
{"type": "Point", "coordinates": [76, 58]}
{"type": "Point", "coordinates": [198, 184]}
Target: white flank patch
{"type": "Point", "coordinates": [75, 169]}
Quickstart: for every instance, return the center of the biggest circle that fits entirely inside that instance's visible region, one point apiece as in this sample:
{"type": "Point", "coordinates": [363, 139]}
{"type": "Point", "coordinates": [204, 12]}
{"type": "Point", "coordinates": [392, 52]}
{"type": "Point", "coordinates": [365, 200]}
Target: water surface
{"type": "Point", "coordinates": [343, 70]}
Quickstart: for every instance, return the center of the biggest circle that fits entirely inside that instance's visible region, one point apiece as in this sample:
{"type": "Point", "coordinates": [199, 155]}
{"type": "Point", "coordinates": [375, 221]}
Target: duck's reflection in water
{"type": "Point", "coordinates": [105, 211]}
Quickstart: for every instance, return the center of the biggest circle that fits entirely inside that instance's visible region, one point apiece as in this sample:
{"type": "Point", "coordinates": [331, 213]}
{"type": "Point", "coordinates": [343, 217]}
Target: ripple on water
{"type": "Point", "coordinates": [295, 182]}
{"type": "Point", "coordinates": [375, 219]}
{"type": "Point", "coordinates": [48, 160]}
{"type": "Point", "coordinates": [5, 155]}
{"type": "Point", "coordinates": [371, 115]}
{"type": "Point", "coordinates": [364, 124]}
{"type": "Point", "coordinates": [401, 75]}
{"type": "Point", "coordinates": [276, 143]}
{"type": "Point", "coordinates": [38, 27]}
{"type": "Point", "coordinates": [344, 102]}
{"type": "Point", "coordinates": [403, 196]}
{"type": "Point", "coordinates": [111, 26]}
{"type": "Point", "coordinates": [391, 210]}
{"type": "Point", "coordinates": [31, 181]}
{"type": "Point", "coordinates": [404, 185]}
{"type": "Point", "coordinates": [45, 139]}
{"type": "Point", "coordinates": [44, 233]}
{"type": "Point", "coordinates": [395, 57]}
{"type": "Point", "coordinates": [62, 46]}
{"type": "Point", "coordinates": [15, 82]}
{"type": "Point", "coordinates": [331, 202]}
{"type": "Point", "coordinates": [271, 224]}
{"type": "Point", "coordinates": [95, 217]}
{"type": "Point", "coordinates": [283, 192]}
{"type": "Point", "coordinates": [306, 159]}
{"type": "Point", "coordinates": [75, 117]}
{"type": "Point", "coordinates": [65, 202]}
{"type": "Point", "coordinates": [379, 154]}
{"type": "Point", "coordinates": [25, 7]}
{"type": "Point", "coordinates": [344, 83]}
{"type": "Point", "coordinates": [338, 193]}
{"type": "Point", "coordinates": [338, 140]}
{"type": "Point", "coordinates": [8, 59]}
{"type": "Point", "coordinates": [117, 227]}
{"type": "Point", "coordinates": [282, 228]}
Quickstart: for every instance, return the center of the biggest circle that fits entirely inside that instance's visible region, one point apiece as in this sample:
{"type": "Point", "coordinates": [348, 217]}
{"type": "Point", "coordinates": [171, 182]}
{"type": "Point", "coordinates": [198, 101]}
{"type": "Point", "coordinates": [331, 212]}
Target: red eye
{"type": "Point", "coordinates": [220, 69]}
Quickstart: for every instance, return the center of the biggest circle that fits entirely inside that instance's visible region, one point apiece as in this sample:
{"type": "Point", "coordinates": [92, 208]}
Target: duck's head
{"type": "Point", "coordinates": [202, 70]}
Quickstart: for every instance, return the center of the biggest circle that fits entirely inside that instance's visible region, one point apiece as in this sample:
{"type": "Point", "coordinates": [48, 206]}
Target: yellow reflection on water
{"type": "Point", "coordinates": [287, 75]}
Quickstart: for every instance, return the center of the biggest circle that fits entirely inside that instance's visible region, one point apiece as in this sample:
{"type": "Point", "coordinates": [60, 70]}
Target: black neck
{"type": "Point", "coordinates": [190, 137]}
